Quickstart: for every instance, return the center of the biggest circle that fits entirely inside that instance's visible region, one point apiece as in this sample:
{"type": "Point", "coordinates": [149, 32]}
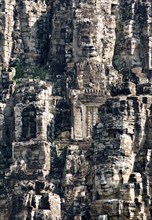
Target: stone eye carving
{"type": "Point", "coordinates": [109, 174]}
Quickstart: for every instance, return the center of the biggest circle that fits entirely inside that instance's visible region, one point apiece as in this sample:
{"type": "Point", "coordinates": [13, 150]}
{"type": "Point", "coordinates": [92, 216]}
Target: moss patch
{"type": "Point", "coordinates": [33, 72]}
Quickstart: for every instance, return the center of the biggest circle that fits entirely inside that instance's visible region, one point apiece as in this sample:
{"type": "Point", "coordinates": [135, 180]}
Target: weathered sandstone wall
{"type": "Point", "coordinates": [77, 144]}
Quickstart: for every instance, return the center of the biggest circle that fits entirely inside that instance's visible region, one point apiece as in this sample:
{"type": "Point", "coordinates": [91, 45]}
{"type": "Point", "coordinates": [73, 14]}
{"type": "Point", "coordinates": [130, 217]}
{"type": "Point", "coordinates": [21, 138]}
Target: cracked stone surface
{"type": "Point", "coordinates": [75, 110]}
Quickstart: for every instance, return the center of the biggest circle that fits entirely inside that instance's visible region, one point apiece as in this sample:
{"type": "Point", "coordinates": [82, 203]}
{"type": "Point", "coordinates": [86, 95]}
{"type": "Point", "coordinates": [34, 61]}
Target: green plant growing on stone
{"type": "Point", "coordinates": [20, 70]}
{"type": "Point", "coordinates": [39, 72]}
{"type": "Point", "coordinates": [33, 72]}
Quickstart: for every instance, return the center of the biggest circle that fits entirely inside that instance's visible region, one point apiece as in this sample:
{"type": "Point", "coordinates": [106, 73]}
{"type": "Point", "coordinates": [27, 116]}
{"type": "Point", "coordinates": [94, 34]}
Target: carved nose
{"type": "Point", "coordinates": [103, 181]}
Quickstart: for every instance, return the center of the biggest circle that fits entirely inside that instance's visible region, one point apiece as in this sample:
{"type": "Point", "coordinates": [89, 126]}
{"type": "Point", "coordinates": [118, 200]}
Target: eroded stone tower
{"type": "Point", "coordinates": [75, 110]}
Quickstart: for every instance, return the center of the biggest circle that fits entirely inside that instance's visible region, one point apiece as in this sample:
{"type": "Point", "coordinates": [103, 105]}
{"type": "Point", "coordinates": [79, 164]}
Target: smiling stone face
{"type": "Point", "coordinates": [107, 180]}
{"type": "Point", "coordinates": [111, 175]}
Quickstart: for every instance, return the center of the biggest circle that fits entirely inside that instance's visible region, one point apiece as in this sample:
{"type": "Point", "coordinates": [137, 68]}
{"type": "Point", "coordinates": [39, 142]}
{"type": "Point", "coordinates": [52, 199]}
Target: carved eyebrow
{"type": "Point", "coordinates": [109, 172]}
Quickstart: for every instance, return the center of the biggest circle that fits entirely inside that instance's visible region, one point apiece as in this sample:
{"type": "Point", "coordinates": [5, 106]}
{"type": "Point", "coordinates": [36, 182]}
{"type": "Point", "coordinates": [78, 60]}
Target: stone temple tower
{"type": "Point", "coordinates": [75, 109]}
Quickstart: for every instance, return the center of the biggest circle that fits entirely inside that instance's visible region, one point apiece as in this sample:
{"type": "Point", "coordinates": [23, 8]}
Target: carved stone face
{"type": "Point", "coordinates": [89, 47]}
{"type": "Point", "coordinates": [87, 43]}
{"type": "Point", "coordinates": [111, 175]}
{"type": "Point", "coordinates": [107, 180]}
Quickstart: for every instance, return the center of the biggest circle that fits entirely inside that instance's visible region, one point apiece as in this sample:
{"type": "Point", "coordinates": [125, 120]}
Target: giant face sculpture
{"type": "Point", "coordinates": [107, 180]}
{"type": "Point", "coordinates": [111, 175]}
{"type": "Point", "coordinates": [113, 164]}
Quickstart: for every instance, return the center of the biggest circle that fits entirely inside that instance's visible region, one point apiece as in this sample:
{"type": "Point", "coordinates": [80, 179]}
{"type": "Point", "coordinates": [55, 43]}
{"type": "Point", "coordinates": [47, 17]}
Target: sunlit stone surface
{"type": "Point", "coordinates": [75, 110]}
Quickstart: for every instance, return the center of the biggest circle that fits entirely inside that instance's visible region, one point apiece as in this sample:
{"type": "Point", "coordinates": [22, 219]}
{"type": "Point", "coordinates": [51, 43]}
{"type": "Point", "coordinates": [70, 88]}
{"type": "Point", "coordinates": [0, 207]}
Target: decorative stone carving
{"type": "Point", "coordinates": [118, 146]}
{"type": "Point", "coordinates": [77, 146]}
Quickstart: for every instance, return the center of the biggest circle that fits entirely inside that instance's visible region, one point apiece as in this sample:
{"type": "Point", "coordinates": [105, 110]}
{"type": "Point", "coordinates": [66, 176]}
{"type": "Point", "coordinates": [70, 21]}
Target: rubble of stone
{"type": "Point", "coordinates": [76, 146]}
